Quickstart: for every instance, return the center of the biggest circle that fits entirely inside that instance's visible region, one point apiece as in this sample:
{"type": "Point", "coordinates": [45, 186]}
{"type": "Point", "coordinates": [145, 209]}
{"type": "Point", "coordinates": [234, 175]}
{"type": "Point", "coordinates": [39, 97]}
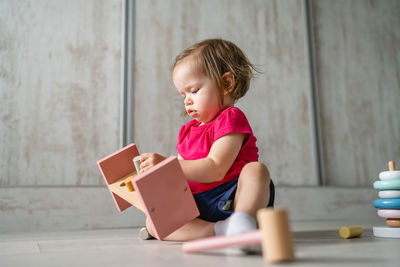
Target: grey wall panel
{"type": "Point", "coordinates": [358, 55]}
{"type": "Point", "coordinates": [59, 90]}
{"type": "Point", "coordinates": [278, 105]}
{"type": "Point", "coordinates": [28, 209]}
{"type": "Point", "coordinates": [330, 203]}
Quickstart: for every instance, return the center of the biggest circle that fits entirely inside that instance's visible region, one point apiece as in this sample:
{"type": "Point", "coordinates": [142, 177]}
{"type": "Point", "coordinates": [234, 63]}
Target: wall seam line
{"type": "Point", "coordinates": [314, 94]}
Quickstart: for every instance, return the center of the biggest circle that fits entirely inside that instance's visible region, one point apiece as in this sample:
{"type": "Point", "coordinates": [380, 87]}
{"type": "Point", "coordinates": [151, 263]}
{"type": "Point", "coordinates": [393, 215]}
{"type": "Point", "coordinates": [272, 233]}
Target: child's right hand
{"type": "Point", "coordinates": [148, 160]}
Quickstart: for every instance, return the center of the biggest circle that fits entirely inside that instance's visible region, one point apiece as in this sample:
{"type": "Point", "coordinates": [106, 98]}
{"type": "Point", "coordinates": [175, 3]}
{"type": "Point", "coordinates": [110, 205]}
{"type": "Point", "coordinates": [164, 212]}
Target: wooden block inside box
{"type": "Point", "coordinates": [162, 192]}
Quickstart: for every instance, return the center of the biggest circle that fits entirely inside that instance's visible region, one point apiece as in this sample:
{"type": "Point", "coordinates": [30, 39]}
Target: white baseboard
{"type": "Point", "coordinates": [29, 209]}
{"type": "Point", "coordinates": [62, 208]}
{"type": "Point", "coordinates": [327, 203]}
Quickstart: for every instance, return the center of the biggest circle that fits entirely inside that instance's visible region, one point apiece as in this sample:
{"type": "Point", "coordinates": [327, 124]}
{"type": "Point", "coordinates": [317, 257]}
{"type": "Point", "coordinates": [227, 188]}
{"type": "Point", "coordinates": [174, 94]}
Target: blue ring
{"type": "Point", "coordinates": [387, 203]}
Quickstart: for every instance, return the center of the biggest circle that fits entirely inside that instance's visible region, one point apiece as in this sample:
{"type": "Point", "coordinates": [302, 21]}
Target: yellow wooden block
{"type": "Point", "coordinates": [132, 197]}
{"type": "Point", "coordinates": [128, 183]}
{"type": "Point", "coordinates": [350, 231]}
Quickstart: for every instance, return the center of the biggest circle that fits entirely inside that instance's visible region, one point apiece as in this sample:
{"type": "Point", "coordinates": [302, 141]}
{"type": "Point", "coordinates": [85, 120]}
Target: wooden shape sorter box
{"type": "Point", "coordinates": [162, 192]}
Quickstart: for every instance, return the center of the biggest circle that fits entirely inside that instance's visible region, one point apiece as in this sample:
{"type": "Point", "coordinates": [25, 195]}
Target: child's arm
{"type": "Point", "coordinates": [213, 168]}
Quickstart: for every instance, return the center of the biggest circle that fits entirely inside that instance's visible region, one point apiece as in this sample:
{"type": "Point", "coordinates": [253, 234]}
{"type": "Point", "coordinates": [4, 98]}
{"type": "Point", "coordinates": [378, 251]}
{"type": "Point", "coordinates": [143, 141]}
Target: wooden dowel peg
{"type": "Point", "coordinates": [128, 183]}
{"type": "Point", "coordinates": [391, 165]}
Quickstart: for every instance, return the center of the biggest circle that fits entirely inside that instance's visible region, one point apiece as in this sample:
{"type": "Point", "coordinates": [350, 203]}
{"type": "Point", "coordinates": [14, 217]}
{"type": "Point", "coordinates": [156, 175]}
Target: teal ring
{"type": "Point", "coordinates": [387, 203]}
{"type": "Point", "coordinates": [391, 184]}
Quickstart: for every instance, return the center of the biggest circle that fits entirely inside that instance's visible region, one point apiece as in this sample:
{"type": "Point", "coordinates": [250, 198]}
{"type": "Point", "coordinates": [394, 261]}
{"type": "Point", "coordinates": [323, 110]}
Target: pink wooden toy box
{"type": "Point", "coordinates": [162, 192]}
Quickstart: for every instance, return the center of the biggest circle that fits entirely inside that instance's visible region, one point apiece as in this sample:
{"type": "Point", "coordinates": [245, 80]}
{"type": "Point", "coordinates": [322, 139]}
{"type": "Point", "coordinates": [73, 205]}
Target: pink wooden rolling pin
{"type": "Point", "coordinates": [274, 236]}
{"type": "Point", "coordinates": [249, 238]}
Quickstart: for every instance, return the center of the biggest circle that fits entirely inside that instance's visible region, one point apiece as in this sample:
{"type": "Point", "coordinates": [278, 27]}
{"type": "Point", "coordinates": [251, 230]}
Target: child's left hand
{"type": "Point", "coordinates": [148, 160]}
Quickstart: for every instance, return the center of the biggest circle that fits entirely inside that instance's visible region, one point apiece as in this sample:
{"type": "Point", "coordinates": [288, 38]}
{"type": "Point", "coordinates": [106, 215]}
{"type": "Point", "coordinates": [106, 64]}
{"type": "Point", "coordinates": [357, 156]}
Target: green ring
{"type": "Point", "coordinates": [392, 184]}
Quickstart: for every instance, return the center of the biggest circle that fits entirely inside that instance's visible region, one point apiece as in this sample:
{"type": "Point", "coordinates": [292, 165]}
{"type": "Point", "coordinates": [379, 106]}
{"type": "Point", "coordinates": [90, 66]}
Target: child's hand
{"type": "Point", "coordinates": [148, 160]}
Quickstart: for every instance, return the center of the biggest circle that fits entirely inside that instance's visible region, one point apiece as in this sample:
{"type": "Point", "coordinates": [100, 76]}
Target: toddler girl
{"type": "Point", "coordinates": [217, 149]}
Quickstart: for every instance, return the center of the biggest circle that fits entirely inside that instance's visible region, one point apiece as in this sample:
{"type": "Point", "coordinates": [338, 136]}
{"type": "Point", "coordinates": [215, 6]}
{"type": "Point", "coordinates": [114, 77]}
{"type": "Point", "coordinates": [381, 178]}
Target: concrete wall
{"type": "Point", "coordinates": [60, 81]}
{"type": "Point", "coordinates": [358, 54]}
{"type": "Point", "coordinates": [59, 90]}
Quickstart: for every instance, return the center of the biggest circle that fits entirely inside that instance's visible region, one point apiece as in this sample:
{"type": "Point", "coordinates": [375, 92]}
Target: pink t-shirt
{"type": "Point", "coordinates": [195, 141]}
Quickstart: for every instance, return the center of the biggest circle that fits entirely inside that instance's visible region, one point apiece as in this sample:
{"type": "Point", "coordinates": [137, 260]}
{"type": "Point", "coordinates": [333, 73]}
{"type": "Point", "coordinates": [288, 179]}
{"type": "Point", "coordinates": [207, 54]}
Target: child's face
{"type": "Point", "coordinates": [199, 92]}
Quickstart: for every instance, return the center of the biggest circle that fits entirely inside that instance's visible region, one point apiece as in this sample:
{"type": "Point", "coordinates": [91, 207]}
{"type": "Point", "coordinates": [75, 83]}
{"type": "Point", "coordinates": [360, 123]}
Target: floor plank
{"type": "Point", "coordinates": [122, 247]}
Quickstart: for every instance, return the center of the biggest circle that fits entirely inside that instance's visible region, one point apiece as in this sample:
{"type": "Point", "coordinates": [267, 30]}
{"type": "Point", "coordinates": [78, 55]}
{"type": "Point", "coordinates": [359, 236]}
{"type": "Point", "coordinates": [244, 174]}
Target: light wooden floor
{"type": "Point", "coordinates": [316, 244]}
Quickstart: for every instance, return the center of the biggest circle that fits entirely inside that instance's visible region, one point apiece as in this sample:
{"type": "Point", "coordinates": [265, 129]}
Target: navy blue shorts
{"type": "Point", "coordinates": [217, 204]}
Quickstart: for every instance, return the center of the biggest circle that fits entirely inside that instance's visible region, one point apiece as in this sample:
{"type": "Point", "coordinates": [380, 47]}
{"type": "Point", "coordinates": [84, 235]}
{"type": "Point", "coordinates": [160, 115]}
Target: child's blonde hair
{"type": "Point", "coordinates": [215, 57]}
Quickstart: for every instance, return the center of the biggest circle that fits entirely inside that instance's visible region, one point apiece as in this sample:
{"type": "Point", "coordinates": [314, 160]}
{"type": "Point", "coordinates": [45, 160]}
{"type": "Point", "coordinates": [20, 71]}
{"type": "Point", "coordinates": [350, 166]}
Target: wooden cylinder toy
{"type": "Point", "coordinates": [391, 165]}
{"type": "Point", "coordinates": [350, 231]}
{"type": "Point", "coordinates": [128, 183]}
{"type": "Point", "coordinates": [276, 235]}
{"type": "Point", "coordinates": [129, 186]}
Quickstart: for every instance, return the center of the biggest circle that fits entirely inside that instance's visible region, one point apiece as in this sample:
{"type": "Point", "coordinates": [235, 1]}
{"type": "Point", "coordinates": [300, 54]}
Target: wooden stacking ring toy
{"type": "Point", "coordinates": [387, 203]}
{"type": "Point", "coordinates": [393, 222]}
{"type": "Point", "coordinates": [389, 194]}
{"type": "Point", "coordinates": [389, 213]}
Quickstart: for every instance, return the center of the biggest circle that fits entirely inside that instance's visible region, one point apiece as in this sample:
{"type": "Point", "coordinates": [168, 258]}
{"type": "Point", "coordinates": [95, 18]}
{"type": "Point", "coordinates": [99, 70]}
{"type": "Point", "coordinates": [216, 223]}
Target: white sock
{"type": "Point", "coordinates": [238, 223]}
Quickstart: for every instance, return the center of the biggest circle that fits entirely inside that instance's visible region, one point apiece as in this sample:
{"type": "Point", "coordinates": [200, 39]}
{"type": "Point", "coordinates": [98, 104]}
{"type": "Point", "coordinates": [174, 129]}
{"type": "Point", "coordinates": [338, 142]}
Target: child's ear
{"type": "Point", "coordinates": [228, 82]}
